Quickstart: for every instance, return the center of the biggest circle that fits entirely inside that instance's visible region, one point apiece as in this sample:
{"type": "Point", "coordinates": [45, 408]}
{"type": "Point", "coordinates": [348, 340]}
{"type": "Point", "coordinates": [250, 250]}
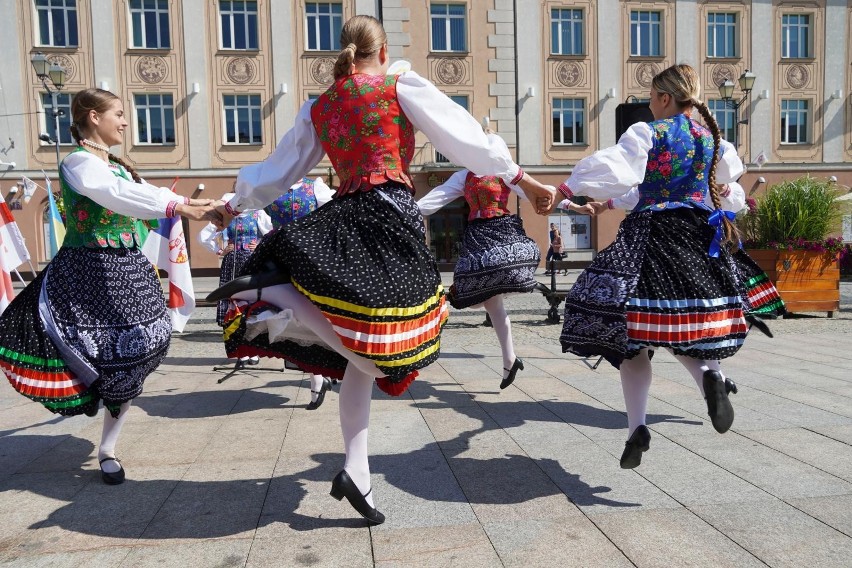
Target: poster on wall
{"type": "Point", "coordinates": [575, 229]}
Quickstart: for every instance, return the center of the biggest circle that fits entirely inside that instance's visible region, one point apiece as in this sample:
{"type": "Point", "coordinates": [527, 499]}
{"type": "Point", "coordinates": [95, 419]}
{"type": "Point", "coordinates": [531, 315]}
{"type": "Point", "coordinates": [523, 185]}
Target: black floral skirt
{"type": "Point", "coordinates": [232, 265]}
{"type": "Point", "coordinates": [496, 257]}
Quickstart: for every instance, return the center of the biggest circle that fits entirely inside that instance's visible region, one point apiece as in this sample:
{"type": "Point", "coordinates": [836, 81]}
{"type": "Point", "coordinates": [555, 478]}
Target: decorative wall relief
{"type": "Point", "coordinates": [240, 70]}
{"type": "Point", "coordinates": [450, 71]}
{"type": "Point", "coordinates": [569, 73]}
{"type": "Point", "coordinates": [645, 73]}
{"type": "Point", "coordinates": [151, 69]}
{"type": "Point", "coordinates": [322, 70]}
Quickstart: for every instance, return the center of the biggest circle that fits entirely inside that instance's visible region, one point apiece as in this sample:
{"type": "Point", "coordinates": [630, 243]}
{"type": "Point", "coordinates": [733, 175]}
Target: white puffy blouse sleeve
{"type": "Point", "coordinates": [445, 193]}
{"type": "Point", "coordinates": [299, 150]}
{"type": "Point", "coordinates": [90, 176]}
{"type": "Point", "coordinates": [209, 237]}
{"type": "Point", "coordinates": [322, 192]}
{"type": "Point", "coordinates": [613, 171]}
{"type": "Point", "coordinates": [452, 130]}
{"type": "Point", "coordinates": [264, 222]}
{"type": "Point", "coordinates": [730, 166]}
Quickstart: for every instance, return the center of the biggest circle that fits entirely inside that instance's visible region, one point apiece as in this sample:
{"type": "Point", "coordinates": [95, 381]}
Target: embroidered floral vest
{"type": "Point", "coordinates": [88, 224]}
{"type": "Point", "coordinates": [243, 230]}
{"type": "Point", "coordinates": [487, 196]}
{"type": "Point", "coordinates": [293, 204]}
{"type": "Point", "coordinates": [363, 130]}
{"type": "Point", "coordinates": [678, 163]}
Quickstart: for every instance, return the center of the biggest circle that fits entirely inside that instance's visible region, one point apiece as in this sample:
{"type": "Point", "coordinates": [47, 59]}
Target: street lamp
{"type": "Point", "coordinates": [52, 78]}
{"type": "Point", "coordinates": [726, 91]}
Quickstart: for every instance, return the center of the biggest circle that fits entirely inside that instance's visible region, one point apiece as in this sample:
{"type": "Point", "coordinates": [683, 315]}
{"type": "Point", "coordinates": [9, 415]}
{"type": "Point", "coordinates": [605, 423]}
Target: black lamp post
{"type": "Point", "coordinates": [726, 90]}
{"type": "Point", "coordinates": [52, 78]}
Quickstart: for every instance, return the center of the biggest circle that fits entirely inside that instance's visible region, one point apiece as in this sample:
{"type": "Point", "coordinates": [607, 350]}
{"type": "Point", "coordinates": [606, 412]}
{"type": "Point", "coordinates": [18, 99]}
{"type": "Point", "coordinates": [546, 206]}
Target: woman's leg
{"type": "Point", "coordinates": [697, 368]}
{"type": "Point", "coordinates": [636, 384]}
{"type": "Point", "coordinates": [316, 386]}
{"type": "Point", "coordinates": [709, 377]}
{"type": "Point", "coordinates": [503, 328]}
{"type": "Point", "coordinates": [109, 437]}
{"type": "Point", "coordinates": [356, 391]}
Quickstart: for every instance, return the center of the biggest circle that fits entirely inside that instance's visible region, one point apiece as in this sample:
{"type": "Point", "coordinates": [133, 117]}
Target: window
{"type": "Point", "coordinates": [794, 121]}
{"type": "Point", "coordinates": [448, 27]}
{"type": "Point", "coordinates": [155, 119]}
{"type": "Point", "coordinates": [323, 21]}
{"type": "Point", "coordinates": [63, 105]}
{"type": "Point", "coordinates": [724, 115]}
{"type": "Point", "coordinates": [566, 32]}
{"type": "Point", "coordinates": [569, 121]}
{"type": "Point", "coordinates": [150, 22]}
{"type": "Point", "coordinates": [645, 30]}
{"type": "Point", "coordinates": [721, 35]}
{"type": "Point", "coordinates": [57, 22]}
{"type": "Point", "coordinates": [462, 101]}
{"type": "Point", "coordinates": [239, 24]}
{"type": "Point", "coordinates": [242, 119]}
{"type": "Point", "coordinates": [795, 36]}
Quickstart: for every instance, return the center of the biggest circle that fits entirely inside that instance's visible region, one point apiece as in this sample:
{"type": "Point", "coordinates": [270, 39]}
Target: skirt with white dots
{"type": "Point", "coordinates": [232, 264]}
{"type": "Point", "coordinates": [496, 257]}
{"type": "Point", "coordinates": [362, 260]}
{"type": "Point", "coordinates": [657, 286]}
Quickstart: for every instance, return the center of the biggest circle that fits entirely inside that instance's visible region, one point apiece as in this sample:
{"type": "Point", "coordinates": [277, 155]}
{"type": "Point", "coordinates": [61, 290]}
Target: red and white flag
{"type": "Point", "coordinates": [13, 253]}
{"type": "Point", "coordinates": [166, 248]}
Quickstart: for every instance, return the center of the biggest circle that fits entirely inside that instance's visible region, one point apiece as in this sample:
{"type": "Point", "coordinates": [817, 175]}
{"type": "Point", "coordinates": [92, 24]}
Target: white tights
{"type": "Point", "coordinates": [109, 437]}
{"type": "Point", "coordinates": [356, 389]}
{"type": "Point", "coordinates": [697, 367]}
{"type": "Point", "coordinates": [503, 328]}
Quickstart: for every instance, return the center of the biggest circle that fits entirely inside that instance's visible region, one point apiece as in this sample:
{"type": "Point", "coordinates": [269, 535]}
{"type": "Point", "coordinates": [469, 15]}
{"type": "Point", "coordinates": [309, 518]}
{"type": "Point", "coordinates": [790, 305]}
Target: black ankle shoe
{"type": "Point", "coordinates": [638, 443]}
{"type": "Point", "coordinates": [270, 275]}
{"type": "Point", "coordinates": [343, 486]}
{"type": "Point", "coordinates": [518, 364]}
{"type": "Point", "coordinates": [314, 404]}
{"type": "Point", "coordinates": [112, 478]}
{"type": "Point", "coordinates": [718, 406]}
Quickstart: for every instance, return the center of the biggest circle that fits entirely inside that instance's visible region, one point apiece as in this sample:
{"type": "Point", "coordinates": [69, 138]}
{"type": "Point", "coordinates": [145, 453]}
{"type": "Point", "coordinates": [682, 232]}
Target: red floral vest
{"type": "Point", "coordinates": [487, 196]}
{"type": "Point", "coordinates": [363, 130]}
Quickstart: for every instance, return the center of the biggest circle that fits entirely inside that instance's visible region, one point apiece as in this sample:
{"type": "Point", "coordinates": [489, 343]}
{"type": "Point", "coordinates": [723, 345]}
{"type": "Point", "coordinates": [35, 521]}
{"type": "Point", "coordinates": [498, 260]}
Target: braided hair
{"type": "Point", "coordinates": [97, 100]}
{"type": "Point", "coordinates": [363, 36]}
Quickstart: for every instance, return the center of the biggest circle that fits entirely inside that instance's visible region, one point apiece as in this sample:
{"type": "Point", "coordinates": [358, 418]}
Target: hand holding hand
{"type": "Point", "coordinates": [224, 219]}
{"type": "Point", "coordinates": [198, 212]}
{"type": "Point", "coordinates": [202, 201]}
{"type": "Point", "coordinates": [542, 196]}
{"type": "Point", "coordinates": [598, 207]}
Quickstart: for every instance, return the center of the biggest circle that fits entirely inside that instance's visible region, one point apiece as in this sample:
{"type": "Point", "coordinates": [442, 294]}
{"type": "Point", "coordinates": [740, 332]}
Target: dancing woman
{"type": "Point", "coordinates": [93, 325]}
{"type": "Point", "coordinates": [669, 280]}
{"type": "Point", "coordinates": [358, 273]}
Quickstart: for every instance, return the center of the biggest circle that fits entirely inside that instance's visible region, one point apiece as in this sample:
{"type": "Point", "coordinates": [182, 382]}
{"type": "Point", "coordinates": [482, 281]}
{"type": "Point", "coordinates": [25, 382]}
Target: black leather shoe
{"type": "Point", "coordinates": [518, 364]}
{"type": "Point", "coordinates": [269, 276]}
{"type": "Point", "coordinates": [92, 410]}
{"type": "Point", "coordinates": [314, 404]}
{"type": "Point", "coordinates": [638, 443]}
{"type": "Point", "coordinates": [718, 406]}
{"type": "Point", "coordinates": [757, 322]}
{"type": "Point", "coordinates": [112, 478]}
{"type": "Point", "coordinates": [343, 486]}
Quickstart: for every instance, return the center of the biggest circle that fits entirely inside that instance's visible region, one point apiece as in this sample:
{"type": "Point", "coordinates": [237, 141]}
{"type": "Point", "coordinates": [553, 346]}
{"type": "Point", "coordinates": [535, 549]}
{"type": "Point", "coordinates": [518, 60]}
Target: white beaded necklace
{"type": "Point", "coordinates": [95, 145]}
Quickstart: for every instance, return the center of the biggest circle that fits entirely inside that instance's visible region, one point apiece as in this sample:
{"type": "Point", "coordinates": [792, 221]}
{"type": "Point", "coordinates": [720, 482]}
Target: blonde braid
{"type": "Point", "coordinates": [730, 231]}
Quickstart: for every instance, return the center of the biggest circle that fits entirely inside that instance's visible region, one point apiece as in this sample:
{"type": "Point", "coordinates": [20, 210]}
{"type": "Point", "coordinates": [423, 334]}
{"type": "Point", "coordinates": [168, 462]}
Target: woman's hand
{"type": "Point", "coordinates": [542, 196]}
{"type": "Point", "coordinates": [202, 202]}
{"type": "Point", "coordinates": [225, 218]}
{"type": "Point", "coordinates": [198, 212]}
{"type": "Point", "coordinates": [598, 207]}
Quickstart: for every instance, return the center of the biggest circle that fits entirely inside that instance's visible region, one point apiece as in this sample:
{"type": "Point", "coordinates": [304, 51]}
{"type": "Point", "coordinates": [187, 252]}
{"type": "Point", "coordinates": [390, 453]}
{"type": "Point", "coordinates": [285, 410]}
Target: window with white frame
{"type": "Point", "coordinates": [149, 20]}
{"type": "Point", "coordinates": [795, 36]}
{"type": "Point", "coordinates": [242, 119]}
{"type": "Point", "coordinates": [569, 121]}
{"type": "Point", "coordinates": [645, 33]}
{"type": "Point", "coordinates": [566, 31]}
{"type": "Point", "coordinates": [462, 101]}
{"type": "Point", "coordinates": [63, 105]}
{"type": "Point", "coordinates": [721, 34]}
{"type": "Point", "coordinates": [57, 22]}
{"type": "Point", "coordinates": [795, 120]}
{"type": "Point", "coordinates": [323, 21]}
{"type": "Point", "coordinates": [724, 115]}
{"type": "Point", "coordinates": [155, 118]}
{"type": "Point", "coordinates": [238, 20]}
{"type": "Point", "coordinates": [448, 27]}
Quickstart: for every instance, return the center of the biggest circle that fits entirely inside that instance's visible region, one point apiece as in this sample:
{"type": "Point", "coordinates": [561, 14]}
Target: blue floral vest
{"type": "Point", "coordinates": [678, 163]}
{"type": "Point", "coordinates": [243, 230]}
{"type": "Point", "coordinates": [293, 204]}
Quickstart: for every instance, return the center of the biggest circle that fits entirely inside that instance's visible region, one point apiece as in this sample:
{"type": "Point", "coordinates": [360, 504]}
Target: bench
{"type": "Point", "coordinates": [554, 295]}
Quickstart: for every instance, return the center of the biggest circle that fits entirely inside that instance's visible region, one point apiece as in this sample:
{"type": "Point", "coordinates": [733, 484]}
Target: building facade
{"type": "Point", "coordinates": [211, 85]}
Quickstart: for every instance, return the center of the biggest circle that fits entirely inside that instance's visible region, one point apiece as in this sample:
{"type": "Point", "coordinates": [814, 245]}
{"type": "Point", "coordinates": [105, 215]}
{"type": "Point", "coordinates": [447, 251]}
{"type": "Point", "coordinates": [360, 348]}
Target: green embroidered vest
{"type": "Point", "coordinates": [88, 224]}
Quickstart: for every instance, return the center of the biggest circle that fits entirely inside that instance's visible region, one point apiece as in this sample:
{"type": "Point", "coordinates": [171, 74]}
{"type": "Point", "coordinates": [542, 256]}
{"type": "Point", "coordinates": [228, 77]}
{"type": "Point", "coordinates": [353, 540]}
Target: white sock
{"type": "Point", "coordinates": [636, 384]}
{"type": "Point", "coordinates": [697, 367]}
{"type": "Point", "coordinates": [503, 328]}
{"type": "Point", "coordinates": [109, 437]}
{"type": "Point", "coordinates": [356, 390]}
{"type": "Point", "coordinates": [285, 296]}
{"type": "Point", "coordinates": [316, 386]}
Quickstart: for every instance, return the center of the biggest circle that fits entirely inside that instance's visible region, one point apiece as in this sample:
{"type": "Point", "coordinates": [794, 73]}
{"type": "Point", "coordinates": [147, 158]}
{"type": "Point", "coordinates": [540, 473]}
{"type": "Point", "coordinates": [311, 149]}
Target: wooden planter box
{"type": "Point", "coordinates": [808, 281]}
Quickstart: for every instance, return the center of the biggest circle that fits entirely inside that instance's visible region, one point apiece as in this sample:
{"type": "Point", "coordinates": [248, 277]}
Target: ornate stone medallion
{"type": "Point", "coordinates": [721, 73]}
{"type": "Point", "coordinates": [569, 73]}
{"type": "Point", "coordinates": [450, 71]}
{"type": "Point", "coordinates": [151, 69]}
{"type": "Point", "coordinates": [645, 73]}
{"type": "Point", "coordinates": [322, 70]}
{"type": "Point", "coordinates": [240, 70]}
{"type": "Point", "coordinates": [66, 63]}
{"type": "Point", "coordinates": [797, 76]}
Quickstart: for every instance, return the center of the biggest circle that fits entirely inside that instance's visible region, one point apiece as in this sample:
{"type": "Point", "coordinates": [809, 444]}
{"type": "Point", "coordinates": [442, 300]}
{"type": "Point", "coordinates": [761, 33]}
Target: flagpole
{"type": "Point", "coordinates": [21, 278]}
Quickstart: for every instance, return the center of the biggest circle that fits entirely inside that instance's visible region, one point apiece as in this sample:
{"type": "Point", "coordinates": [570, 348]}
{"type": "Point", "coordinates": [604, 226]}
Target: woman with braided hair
{"type": "Point", "coordinates": [94, 324]}
{"type": "Point", "coordinates": [670, 279]}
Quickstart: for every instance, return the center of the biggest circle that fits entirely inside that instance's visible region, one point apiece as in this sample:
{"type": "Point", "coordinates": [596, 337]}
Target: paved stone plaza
{"type": "Point", "coordinates": [237, 473]}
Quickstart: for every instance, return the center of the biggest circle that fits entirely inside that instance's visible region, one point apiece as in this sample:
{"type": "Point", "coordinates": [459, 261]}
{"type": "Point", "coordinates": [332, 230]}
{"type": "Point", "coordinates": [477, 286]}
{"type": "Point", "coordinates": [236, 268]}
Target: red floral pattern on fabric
{"type": "Point", "coordinates": [488, 196]}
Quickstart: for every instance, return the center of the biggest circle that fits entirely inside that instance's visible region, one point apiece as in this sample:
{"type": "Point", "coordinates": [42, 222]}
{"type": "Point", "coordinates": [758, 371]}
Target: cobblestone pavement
{"type": "Point", "coordinates": [228, 469]}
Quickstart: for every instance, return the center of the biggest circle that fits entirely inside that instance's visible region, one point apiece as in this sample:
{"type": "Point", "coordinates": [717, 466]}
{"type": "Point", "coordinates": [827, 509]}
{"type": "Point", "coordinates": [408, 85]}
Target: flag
{"type": "Point", "coordinates": [12, 247]}
{"type": "Point", "coordinates": [29, 188]}
{"type": "Point", "coordinates": [761, 159]}
{"type": "Point", "coordinates": [57, 228]}
{"type": "Point", "coordinates": [6, 290]}
{"type": "Point", "coordinates": [165, 247]}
